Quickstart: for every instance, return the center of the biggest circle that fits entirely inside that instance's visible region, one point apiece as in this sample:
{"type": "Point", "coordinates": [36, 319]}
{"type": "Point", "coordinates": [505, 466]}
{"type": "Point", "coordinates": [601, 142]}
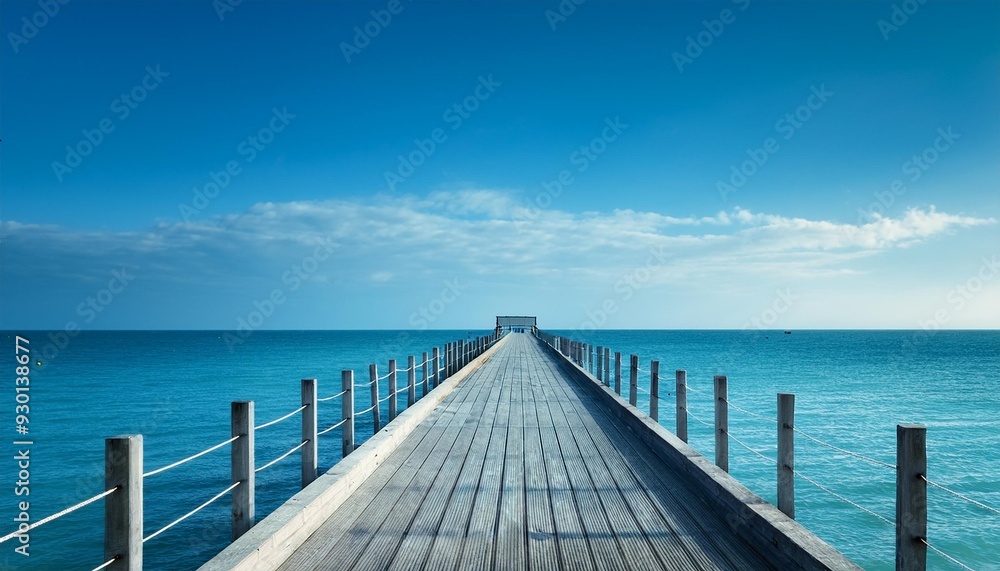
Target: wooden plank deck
{"type": "Point", "coordinates": [520, 468]}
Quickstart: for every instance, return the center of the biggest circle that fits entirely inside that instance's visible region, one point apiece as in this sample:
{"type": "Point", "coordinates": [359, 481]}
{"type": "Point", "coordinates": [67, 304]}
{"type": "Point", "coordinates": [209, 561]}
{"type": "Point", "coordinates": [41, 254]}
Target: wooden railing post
{"type": "Point", "coordinates": [618, 372]}
{"type": "Point", "coordinates": [721, 422]}
{"type": "Point", "coordinates": [450, 364]}
{"type": "Point", "coordinates": [411, 381]}
{"type": "Point", "coordinates": [427, 380]}
{"type": "Point", "coordinates": [461, 354]}
{"type": "Point", "coordinates": [607, 366]}
{"type": "Point", "coordinates": [392, 389]}
{"type": "Point", "coordinates": [123, 508]}
{"type": "Point", "coordinates": [373, 378]}
{"type": "Point", "coordinates": [600, 364]}
{"type": "Point", "coordinates": [654, 390]}
{"type": "Point", "coordinates": [911, 497]}
{"type": "Point", "coordinates": [436, 361]}
{"type": "Point", "coordinates": [242, 468]}
{"type": "Point", "coordinates": [681, 391]}
{"type": "Point", "coordinates": [347, 411]}
{"type": "Point", "coordinates": [633, 380]}
{"type": "Point", "coordinates": [310, 451]}
{"type": "Point", "coordinates": [786, 454]}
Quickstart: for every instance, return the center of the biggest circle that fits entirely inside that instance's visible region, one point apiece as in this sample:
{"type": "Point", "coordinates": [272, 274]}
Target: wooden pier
{"type": "Point", "coordinates": [522, 460]}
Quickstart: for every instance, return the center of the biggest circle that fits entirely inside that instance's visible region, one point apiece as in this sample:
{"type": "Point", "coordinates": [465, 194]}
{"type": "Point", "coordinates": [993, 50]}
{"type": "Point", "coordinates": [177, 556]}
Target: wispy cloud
{"type": "Point", "coordinates": [468, 232]}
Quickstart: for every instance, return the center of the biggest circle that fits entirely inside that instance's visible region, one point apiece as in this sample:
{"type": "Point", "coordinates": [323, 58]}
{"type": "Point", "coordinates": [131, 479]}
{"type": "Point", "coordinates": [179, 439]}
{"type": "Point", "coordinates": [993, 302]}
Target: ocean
{"type": "Point", "coordinates": [175, 388]}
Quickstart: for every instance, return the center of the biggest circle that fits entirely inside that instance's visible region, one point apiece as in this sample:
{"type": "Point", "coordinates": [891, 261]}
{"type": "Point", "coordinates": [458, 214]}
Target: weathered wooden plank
{"type": "Point", "coordinates": [512, 517]}
{"type": "Point", "coordinates": [419, 537]}
{"type": "Point", "coordinates": [480, 538]}
{"type": "Point", "coordinates": [543, 552]}
{"type": "Point", "coordinates": [446, 545]}
{"type": "Point", "coordinates": [410, 454]}
{"type": "Point", "coordinates": [522, 467]}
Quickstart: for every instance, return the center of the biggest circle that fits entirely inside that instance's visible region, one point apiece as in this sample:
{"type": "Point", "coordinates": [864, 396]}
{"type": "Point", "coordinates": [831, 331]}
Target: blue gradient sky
{"type": "Point", "coordinates": [640, 237]}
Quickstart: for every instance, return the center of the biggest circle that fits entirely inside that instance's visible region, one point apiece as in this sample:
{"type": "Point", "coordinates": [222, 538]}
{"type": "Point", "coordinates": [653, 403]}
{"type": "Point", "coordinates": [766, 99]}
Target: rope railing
{"type": "Point", "coordinates": [59, 514]}
{"type": "Point", "coordinates": [280, 458]}
{"type": "Point", "coordinates": [277, 420]}
{"type": "Point", "coordinates": [324, 431]}
{"type": "Point", "coordinates": [189, 458]}
{"type": "Point", "coordinates": [338, 395]}
{"type": "Point", "coordinates": [745, 445]}
{"type": "Point", "coordinates": [751, 413]}
{"type": "Point", "coordinates": [945, 555]}
{"type": "Point", "coordinates": [842, 498]}
{"type": "Point", "coordinates": [848, 452]}
{"type": "Point", "coordinates": [957, 494]}
{"type": "Point", "coordinates": [692, 415]}
{"type": "Point", "coordinates": [910, 461]}
{"type": "Point", "coordinates": [130, 449]}
{"type": "Point", "coordinates": [105, 564]}
{"type": "Point", "coordinates": [190, 513]}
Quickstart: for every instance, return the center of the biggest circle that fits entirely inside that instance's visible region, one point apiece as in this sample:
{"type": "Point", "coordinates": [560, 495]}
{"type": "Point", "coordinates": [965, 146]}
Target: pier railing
{"type": "Point", "coordinates": [910, 523]}
{"type": "Point", "coordinates": [124, 477]}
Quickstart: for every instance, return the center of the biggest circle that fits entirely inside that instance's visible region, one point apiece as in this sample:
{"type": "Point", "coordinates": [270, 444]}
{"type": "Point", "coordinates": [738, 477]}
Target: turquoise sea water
{"type": "Point", "coordinates": [852, 388]}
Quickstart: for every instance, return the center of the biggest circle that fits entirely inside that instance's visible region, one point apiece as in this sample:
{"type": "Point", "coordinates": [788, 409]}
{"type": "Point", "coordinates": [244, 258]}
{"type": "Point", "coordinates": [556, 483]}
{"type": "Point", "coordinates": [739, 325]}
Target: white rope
{"type": "Point", "coordinates": [743, 444]}
{"type": "Point", "coordinates": [189, 458]}
{"type": "Point", "coordinates": [383, 377]}
{"type": "Point", "coordinates": [387, 397]}
{"type": "Point", "coordinates": [280, 458]}
{"type": "Point", "coordinates": [58, 515]}
{"type": "Point", "coordinates": [331, 428]}
{"type": "Point", "coordinates": [954, 493]}
{"type": "Point", "coordinates": [105, 564]}
{"type": "Point", "coordinates": [366, 410]}
{"type": "Point", "coordinates": [840, 497]}
{"type": "Point", "coordinates": [191, 513]}
{"type": "Point", "coordinates": [691, 414]}
{"type": "Point", "coordinates": [324, 399]}
{"type": "Point", "coordinates": [363, 385]}
{"type": "Point", "coordinates": [946, 556]}
{"type": "Point", "coordinates": [848, 452]}
{"type": "Point", "coordinates": [692, 390]}
{"type": "Point", "coordinates": [277, 420]}
{"type": "Point", "coordinates": [749, 413]}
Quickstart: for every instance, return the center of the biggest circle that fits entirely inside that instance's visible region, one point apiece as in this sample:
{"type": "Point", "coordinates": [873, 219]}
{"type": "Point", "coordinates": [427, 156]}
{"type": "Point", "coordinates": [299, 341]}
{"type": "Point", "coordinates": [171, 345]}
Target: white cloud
{"type": "Point", "coordinates": [470, 232]}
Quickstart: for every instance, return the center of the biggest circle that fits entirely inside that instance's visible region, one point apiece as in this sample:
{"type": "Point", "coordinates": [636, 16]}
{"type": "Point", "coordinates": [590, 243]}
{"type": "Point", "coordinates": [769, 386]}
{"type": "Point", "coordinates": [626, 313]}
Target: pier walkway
{"type": "Point", "coordinates": [520, 468]}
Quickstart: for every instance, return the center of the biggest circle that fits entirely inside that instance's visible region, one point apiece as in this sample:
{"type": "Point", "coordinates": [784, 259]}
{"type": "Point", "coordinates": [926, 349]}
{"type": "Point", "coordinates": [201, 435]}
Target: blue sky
{"type": "Point", "coordinates": [647, 164]}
